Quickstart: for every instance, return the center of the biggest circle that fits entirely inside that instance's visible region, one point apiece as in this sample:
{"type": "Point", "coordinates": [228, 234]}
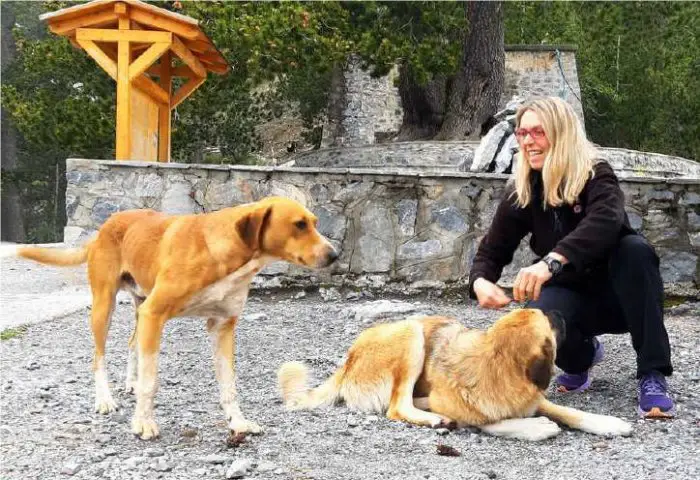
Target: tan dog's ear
{"type": "Point", "coordinates": [251, 227]}
{"type": "Point", "coordinates": [541, 367]}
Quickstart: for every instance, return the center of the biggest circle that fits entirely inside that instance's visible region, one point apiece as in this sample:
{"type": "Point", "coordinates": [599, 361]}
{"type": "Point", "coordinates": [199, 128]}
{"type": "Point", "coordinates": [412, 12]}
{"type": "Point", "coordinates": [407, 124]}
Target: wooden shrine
{"type": "Point", "coordinates": [142, 48]}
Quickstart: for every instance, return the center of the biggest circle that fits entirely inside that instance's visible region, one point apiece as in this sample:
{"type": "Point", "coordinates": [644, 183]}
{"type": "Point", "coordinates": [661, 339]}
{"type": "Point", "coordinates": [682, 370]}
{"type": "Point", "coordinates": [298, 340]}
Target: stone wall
{"type": "Point", "coordinates": [456, 155]}
{"type": "Point", "coordinates": [393, 226]}
{"type": "Point", "coordinates": [365, 110]}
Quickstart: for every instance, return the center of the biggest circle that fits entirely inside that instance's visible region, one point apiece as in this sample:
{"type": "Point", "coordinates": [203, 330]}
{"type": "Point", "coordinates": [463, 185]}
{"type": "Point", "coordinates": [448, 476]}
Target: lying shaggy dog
{"type": "Point", "coordinates": [433, 371]}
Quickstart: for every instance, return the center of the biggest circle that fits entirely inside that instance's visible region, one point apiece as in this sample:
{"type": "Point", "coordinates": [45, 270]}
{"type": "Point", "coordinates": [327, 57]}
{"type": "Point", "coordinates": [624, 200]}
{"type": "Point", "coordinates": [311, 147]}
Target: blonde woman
{"type": "Point", "coordinates": [594, 269]}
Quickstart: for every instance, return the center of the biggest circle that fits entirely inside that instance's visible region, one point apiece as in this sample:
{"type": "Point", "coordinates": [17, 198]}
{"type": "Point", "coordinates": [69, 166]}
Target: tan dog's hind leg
{"type": "Point", "coordinates": [102, 306]}
{"type": "Point", "coordinates": [223, 339]}
{"type": "Point", "coordinates": [148, 335]}
{"type": "Point", "coordinates": [531, 428]}
{"type": "Point", "coordinates": [132, 358]}
{"type": "Point", "coordinates": [588, 422]}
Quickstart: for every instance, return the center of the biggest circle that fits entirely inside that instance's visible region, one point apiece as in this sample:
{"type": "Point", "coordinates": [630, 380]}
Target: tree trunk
{"type": "Point", "coordinates": [423, 106]}
{"type": "Point", "coordinates": [477, 87]}
{"type": "Point", "coordinates": [12, 225]}
{"type": "Point", "coordinates": [455, 108]}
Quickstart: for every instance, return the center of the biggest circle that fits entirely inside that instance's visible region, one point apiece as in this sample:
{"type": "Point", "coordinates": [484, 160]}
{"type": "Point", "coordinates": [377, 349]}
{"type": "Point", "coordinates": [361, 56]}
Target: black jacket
{"type": "Point", "coordinates": [584, 232]}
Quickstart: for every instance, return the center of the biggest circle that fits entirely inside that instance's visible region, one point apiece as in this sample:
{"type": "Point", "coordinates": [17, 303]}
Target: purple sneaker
{"type": "Point", "coordinates": [578, 382]}
{"type": "Point", "coordinates": [654, 400]}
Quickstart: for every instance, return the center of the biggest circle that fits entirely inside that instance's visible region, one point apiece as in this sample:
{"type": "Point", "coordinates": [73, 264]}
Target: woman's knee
{"type": "Point", "coordinates": [633, 250]}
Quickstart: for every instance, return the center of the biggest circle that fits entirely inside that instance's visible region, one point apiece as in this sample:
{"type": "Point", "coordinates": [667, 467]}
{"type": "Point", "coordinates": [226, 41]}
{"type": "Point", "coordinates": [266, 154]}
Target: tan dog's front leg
{"type": "Point", "coordinates": [222, 333]}
{"type": "Point", "coordinates": [149, 331]}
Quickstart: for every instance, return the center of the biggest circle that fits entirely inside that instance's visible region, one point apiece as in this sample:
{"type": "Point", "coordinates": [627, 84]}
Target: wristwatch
{"type": "Point", "coordinates": [553, 264]}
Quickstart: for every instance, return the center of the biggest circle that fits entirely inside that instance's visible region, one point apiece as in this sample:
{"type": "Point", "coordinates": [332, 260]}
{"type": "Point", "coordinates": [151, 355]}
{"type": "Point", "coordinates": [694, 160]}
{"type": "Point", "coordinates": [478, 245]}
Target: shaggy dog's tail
{"type": "Point", "coordinates": [293, 382]}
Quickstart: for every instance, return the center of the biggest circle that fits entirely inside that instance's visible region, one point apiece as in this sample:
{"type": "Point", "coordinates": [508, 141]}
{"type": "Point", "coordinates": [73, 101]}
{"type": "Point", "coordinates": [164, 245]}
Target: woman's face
{"type": "Point", "coordinates": [532, 139]}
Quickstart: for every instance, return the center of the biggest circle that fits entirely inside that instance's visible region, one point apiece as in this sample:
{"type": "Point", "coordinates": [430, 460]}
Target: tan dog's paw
{"type": "Point", "coordinates": [605, 425]}
{"type": "Point", "coordinates": [146, 428]}
{"type": "Point", "coordinates": [241, 425]}
{"type": "Point", "coordinates": [105, 405]}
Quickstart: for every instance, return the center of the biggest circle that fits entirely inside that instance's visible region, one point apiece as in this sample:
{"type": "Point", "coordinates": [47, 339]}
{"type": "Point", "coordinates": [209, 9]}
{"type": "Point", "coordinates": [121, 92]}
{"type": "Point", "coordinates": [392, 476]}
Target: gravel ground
{"type": "Point", "coordinates": [48, 429]}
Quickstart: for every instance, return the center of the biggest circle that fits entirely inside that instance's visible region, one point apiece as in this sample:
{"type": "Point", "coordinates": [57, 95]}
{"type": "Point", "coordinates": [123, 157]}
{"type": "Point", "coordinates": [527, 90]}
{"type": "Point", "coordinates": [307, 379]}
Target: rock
{"type": "Point", "coordinates": [256, 317]}
{"type": "Point", "coordinates": [71, 467]}
{"type": "Point", "coordinates": [385, 310]}
{"type": "Point", "coordinates": [154, 452]}
{"type": "Point", "coordinates": [133, 462]}
{"type": "Point", "coordinates": [239, 468]}
{"type": "Point", "coordinates": [32, 365]}
{"type": "Point", "coordinates": [265, 466]}
{"type": "Point", "coordinates": [299, 295]}
{"type": "Point", "coordinates": [216, 459]}
{"type": "Point", "coordinates": [162, 465]}
{"type": "Point", "coordinates": [330, 294]}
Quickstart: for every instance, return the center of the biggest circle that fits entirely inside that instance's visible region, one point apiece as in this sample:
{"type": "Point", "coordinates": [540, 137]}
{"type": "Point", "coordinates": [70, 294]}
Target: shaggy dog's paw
{"type": "Point", "coordinates": [605, 425]}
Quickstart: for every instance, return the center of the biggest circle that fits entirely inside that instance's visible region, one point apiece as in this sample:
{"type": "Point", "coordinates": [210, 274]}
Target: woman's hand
{"type": "Point", "coordinates": [489, 294]}
{"type": "Point", "coordinates": [528, 283]}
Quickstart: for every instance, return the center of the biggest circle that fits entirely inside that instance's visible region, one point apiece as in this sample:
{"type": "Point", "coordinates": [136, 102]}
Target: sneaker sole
{"type": "Point", "coordinates": [583, 387]}
{"type": "Point", "coordinates": [597, 358]}
{"type": "Point", "coordinates": [656, 413]}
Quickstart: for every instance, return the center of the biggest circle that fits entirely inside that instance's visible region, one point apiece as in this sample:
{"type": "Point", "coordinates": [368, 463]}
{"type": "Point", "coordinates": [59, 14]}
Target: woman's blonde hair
{"type": "Point", "coordinates": [569, 162]}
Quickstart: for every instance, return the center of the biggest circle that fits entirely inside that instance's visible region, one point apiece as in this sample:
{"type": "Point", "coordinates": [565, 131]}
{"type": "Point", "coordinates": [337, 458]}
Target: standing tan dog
{"type": "Point", "coordinates": [493, 379]}
{"type": "Point", "coordinates": [185, 265]}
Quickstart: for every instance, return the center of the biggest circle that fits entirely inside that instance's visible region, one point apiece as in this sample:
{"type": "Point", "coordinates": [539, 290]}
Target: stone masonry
{"type": "Point", "coordinates": [393, 226]}
{"type": "Point", "coordinates": [366, 110]}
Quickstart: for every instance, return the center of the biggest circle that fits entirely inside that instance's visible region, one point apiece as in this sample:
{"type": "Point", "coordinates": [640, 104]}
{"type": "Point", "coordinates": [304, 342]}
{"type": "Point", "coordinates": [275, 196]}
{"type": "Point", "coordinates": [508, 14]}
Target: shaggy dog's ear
{"type": "Point", "coordinates": [541, 367]}
{"type": "Point", "coordinates": [251, 228]}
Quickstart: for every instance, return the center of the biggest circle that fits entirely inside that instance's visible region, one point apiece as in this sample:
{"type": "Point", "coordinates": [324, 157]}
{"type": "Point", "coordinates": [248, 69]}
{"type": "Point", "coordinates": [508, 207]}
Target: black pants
{"type": "Point", "coordinates": [628, 297]}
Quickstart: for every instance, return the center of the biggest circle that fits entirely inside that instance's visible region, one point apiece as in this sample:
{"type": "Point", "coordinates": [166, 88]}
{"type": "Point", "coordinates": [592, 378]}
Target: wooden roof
{"type": "Point", "coordinates": [103, 14]}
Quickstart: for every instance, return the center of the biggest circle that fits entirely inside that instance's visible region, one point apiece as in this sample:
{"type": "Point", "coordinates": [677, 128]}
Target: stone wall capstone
{"type": "Point", "coordinates": [392, 226]}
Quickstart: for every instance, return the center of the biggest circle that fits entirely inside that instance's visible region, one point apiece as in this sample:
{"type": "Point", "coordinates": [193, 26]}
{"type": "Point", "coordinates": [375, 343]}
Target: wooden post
{"type": "Point", "coordinates": [164, 110]}
{"type": "Point", "coordinates": [123, 142]}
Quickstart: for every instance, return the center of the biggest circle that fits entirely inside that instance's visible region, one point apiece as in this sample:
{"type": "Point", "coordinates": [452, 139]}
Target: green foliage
{"type": "Point", "coordinates": [642, 95]}
{"type": "Point", "coordinates": [10, 333]}
{"type": "Point", "coordinates": [282, 54]}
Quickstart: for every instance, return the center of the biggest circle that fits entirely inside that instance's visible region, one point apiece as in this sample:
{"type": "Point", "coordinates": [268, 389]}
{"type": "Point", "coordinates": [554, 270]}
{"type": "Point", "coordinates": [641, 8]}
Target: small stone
{"type": "Point", "coordinates": [154, 452]}
{"type": "Point", "coordinates": [32, 365]}
{"type": "Point", "coordinates": [103, 438]}
{"type": "Point", "coordinates": [239, 468]}
{"type": "Point", "coordinates": [372, 418]}
{"type": "Point", "coordinates": [265, 466]}
{"type": "Point", "coordinates": [216, 459]}
{"type": "Point", "coordinates": [299, 295]}
{"type": "Point", "coordinates": [162, 466]}
{"type": "Point", "coordinates": [599, 445]}
{"type": "Point", "coordinates": [71, 380]}
{"type": "Point", "coordinates": [133, 462]}
{"type": "Point", "coordinates": [110, 451]}
{"type": "Point", "coordinates": [442, 431]}
{"type": "Point", "coordinates": [352, 422]}
{"type": "Point", "coordinates": [352, 296]}
{"type": "Point", "coordinates": [71, 467]}
{"type": "Point", "coordinates": [257, 317]}
{"type": "Point", "coordinates": [491, 474]}
{"type": "Point", "coordinates": [200, 471]}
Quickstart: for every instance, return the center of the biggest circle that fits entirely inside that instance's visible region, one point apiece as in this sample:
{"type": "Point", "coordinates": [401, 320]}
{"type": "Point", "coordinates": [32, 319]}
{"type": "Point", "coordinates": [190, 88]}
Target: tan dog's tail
{"type": "Point", "coordinates": [293, 383]}
{"type": "Point", "coordinates": [51, 256]}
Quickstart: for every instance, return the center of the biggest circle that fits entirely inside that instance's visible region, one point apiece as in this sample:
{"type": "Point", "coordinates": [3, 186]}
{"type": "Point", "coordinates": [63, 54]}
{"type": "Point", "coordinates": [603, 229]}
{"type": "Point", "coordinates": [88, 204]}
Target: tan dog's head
{"type": "Point", "coordinates": [285, 229]}
{"type": "Point", "coordinates": [530, 336]}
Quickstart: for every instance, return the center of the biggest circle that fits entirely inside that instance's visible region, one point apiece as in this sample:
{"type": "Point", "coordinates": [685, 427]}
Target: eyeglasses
{"type": "Point", "coordinates": [534, 132]}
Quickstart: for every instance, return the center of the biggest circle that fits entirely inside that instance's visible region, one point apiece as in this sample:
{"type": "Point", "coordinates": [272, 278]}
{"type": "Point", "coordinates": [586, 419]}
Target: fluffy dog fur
{"type": "Point", "coordinates": [433, 371]}
{"type": "Point", "coordinates": [184, 265]}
